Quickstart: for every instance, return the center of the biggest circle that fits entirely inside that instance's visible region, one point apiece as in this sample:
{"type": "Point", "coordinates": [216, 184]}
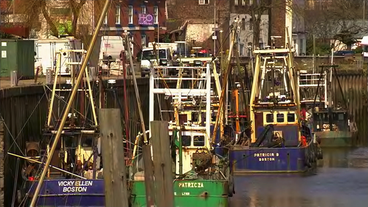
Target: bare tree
{"type": "Point", "coordinates": [257, 9]}
{"type": "Point", "coordinates": [340, 19]}
{"type": "Point", "coordinates": [266, 7]}
{"type": "Point", "coordinates": [34, 10]}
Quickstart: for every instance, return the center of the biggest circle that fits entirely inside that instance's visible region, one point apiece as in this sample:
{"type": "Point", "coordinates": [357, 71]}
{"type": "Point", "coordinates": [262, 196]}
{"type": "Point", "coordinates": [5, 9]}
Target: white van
{"type": "Point", "coordinates": [111, 47]}
{"type": "Point", "coordinates": [149, 57]}
{"type": "Point", "coordinates": [364, 45]}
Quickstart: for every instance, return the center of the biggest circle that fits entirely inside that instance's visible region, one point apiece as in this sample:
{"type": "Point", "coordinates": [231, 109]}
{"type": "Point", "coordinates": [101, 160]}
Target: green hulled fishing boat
{"type": "Point", "coordinates": [201, 177]}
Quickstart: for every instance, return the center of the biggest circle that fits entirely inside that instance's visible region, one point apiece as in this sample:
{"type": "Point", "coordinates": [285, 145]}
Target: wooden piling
{"type": "Point", "coordinates": [2, 162]}
{"type": "Point", "coordinates": [164, 194]}
{"type": "Point", "coordinates": [115, 176]}
{"type": "Point", "coordinates": [353, 85]}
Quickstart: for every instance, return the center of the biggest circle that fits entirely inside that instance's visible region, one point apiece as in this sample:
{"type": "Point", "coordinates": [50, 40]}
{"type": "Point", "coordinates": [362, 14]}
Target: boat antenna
{"type": "Point", "coordinates": [225, 78]}
{"type": "Point", "coordinates": [72, 96]}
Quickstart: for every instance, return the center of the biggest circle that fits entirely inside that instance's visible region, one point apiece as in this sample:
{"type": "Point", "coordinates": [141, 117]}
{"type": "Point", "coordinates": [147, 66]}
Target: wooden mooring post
{"type": "Point", "coordinates": [2, 136]}
{"type": "Point", "coordinates": [164, 193]}
{"type": "Point", "coordinates": [115, 176]}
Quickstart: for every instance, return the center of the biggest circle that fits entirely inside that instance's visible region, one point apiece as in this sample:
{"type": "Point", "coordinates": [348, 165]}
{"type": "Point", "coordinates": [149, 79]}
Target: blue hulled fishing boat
{"type": "Point", "coordinates": [280, 141]}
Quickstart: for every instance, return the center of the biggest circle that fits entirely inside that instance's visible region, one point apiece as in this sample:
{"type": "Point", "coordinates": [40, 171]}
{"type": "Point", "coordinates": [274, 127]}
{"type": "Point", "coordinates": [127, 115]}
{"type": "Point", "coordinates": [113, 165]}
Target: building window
{"type": "Point", "coordinates": [144, 41]}
{"type": "Point", "coordinates": [105, 20]}
{"type": "Point", "coordinates": [132, 45]}
{"type": "Point", "coordinates": [251, 24]}
{"type": "Point", "coordinates": [130, 15]}
{"type": "Point", "coordinates": [243, 24]}
{"type": "Point", "coordinates": [241, 49]}
{"type": "Point", "coordinates": [155, 14]}
{"type": "Point", "coordinates": [117, 15]}
{"type": "Point", "coordinates": [243, 2]}
{"type": "Point", "coordinates": [203, 2]}
{"type": "Point", "coordinates": [144, 10]}
{"type": "Point", "coordinates": [236, 2]}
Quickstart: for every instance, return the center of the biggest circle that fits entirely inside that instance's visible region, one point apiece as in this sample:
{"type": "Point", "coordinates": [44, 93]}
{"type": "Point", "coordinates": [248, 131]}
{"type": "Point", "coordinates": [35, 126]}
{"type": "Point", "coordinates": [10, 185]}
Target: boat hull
{"type": "Point", "coordinates": [193, 193]}
{"type": "Point", "coordinates": [334, 138]}
{"type": "Point", "coordinates": [246, 160]}
{"type": "Point", "coordinates": [69, 192]}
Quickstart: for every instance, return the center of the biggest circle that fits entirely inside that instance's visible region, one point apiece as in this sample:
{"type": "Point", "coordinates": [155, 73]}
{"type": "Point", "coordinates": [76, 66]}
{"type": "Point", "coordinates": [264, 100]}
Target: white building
{"type": "Point", "coordinates": [245, 36]}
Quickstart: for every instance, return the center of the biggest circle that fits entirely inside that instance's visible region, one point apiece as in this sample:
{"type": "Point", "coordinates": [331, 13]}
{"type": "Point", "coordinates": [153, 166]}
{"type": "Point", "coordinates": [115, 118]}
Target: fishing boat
{"type": "Point", "coordinates": [280, 141]}
{"type": "Point", "coordinates": [329, 119]}
{"type": "Point", "coordinates": [64, 167]}
{"type": "Point", "coordinates": [201, 177]}
{"type": "Point", "coordinates": [74, 176]}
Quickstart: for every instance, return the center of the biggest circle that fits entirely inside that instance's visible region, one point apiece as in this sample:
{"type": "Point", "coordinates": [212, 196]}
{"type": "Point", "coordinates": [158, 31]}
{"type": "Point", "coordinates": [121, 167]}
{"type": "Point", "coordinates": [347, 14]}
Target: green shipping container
{"type": "Point", "coordinates": [17, 55]}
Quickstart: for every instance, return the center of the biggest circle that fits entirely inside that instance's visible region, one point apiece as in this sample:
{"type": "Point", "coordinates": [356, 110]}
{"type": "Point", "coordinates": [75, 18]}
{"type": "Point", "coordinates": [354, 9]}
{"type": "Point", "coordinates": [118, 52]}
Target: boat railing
{"type": "Point", "coordinates": [308, 83]}
{"type": "Point", "coordinates": [311, 80]}
{"type": "Point", "coordinates": [186, 87]}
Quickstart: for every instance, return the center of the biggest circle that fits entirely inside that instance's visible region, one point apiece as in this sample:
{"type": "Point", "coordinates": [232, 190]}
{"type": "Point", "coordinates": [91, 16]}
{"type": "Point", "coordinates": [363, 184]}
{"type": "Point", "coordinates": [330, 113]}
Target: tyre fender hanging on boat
{"type": "Point", "coordinates": [231, 184]}
{"type": "Point", "coordinates": [310, 156]}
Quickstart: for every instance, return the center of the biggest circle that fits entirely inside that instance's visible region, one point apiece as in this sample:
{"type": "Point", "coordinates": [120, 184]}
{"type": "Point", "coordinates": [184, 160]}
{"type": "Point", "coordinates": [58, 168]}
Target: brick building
{"type": "Point", "coordinates": [194, 21]}
{"type": "Point", "coordinates": [143, 19]}
{"type": "Point", "coordinates": [277, 16]}
{"type": "Point", "coordinates": [11, 20]}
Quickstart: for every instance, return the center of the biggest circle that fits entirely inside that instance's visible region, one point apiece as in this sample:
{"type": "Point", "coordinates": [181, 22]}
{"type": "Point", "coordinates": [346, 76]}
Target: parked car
{"type": "Point", "coordinates": [344, 53]}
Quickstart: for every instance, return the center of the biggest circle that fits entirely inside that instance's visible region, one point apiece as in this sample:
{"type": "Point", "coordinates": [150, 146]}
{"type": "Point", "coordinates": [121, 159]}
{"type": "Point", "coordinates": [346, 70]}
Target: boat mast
{"type": "Point", "coordinates": [221, 109]}
{"type": "Point", "coordinates": [72, 96]}
{"type": "Point", "coordinates": [146, 148]}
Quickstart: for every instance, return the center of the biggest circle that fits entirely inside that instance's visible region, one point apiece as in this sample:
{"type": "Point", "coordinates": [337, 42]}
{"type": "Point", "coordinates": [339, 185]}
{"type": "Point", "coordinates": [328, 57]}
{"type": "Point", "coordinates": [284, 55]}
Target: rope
{"type": "Point", "coordinates": [24, 125]}
{"type": "Point", "coordinates": [14, 140]}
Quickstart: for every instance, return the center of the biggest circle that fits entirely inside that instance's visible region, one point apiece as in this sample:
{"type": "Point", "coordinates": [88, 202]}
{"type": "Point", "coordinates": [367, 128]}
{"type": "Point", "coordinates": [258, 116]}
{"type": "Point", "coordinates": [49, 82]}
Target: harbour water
{"type": "Point", "coordinates": [341, 181]}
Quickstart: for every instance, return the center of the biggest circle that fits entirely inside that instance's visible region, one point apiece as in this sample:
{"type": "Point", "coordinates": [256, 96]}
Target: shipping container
{"type": "Point", "coordinates": [17, 55]}
{"type": "Point", "coordinates": [45, 53]}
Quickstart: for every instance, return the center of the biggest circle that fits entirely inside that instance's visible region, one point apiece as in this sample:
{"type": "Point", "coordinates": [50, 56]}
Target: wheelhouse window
{"type": "Point", "coordinates": [198, 141]}
{"type": "Point", "coordinates": [280, 118]}
{"type": "Point", "coordinates": [195, 116]}
{"type": "Point", "coordinates": [186, 140]}
{"type": "Point", "coordinates": [269, 118]}
{"type": "Point", "coordinates": [87, 141]}
{"type": "Point", "coordinates": [291, 117]}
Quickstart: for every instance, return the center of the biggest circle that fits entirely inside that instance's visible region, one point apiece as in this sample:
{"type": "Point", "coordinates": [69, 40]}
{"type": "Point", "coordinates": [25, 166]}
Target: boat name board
{"type": "Point", "coordinates": [75, 186]}
{"type": "Point", "coordinates": [262, 157]}
{"type": "Point", "coordinates": [191, 185]}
